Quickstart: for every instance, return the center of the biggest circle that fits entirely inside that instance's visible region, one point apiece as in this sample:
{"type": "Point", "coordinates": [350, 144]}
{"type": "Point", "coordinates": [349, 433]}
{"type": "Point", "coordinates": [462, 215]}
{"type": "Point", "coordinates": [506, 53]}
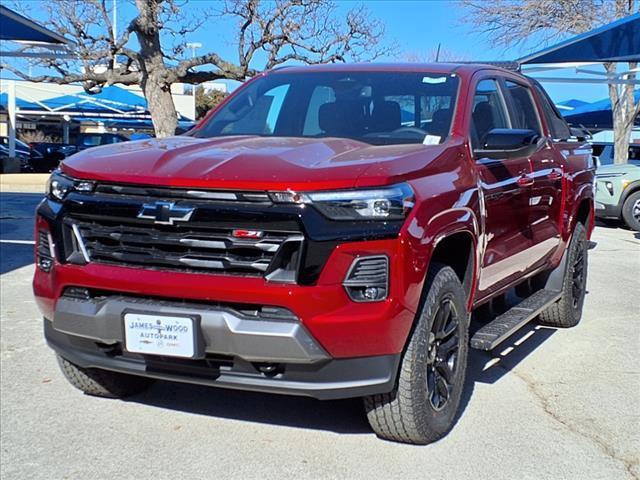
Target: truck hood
{"type": "Point", "coordinates": [632, 167]}
{"type": "Point", "coordinates": [251, 162]}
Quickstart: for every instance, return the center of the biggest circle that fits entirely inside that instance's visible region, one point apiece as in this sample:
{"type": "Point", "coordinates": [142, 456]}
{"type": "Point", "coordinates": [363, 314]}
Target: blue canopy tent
{"type": "Point", "coordinates": [616, 42]}
{"type": "Point", "coordinates": [113, 105]}
{"type": "Point", "coordinates": [15, 27]}
{"type": "Point", "coordinates": [571, 104]}
{"type": "Point", "coordinates": [595, 115]}
{"type": "Point", "coordinates": [111, 100]}
{"type": "Point", "coordinates": [20, 103]}
{"type": "Point", "coordinates": [29, 36]}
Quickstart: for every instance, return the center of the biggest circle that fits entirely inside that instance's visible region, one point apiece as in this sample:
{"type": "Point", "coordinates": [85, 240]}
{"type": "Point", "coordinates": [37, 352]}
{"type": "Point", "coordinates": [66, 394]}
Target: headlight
{"type": "Point", "coordinates": [602, 176]}
{"type": "Point", "coordinates": [59, 185]}
{"type": "Point", "coordinates": [385, 203]}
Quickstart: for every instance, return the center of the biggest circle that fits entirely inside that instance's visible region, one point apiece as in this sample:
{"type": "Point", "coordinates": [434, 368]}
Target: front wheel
{"type": "Point", "coordinates": [102, 383]}
{"type": "Point", "coordinates": [423, 406]}
{"type": "Point", "coordinates": [631, 211]}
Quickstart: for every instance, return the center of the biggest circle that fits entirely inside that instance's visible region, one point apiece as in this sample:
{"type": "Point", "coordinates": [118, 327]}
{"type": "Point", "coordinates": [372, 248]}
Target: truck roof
{"type": "Point", "coordinates": [461, 67]}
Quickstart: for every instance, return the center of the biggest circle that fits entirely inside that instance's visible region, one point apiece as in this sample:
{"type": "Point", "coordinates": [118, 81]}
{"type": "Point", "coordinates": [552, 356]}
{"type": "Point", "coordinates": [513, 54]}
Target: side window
{"type": "Point", "coordinates": [488, 111]}
{"type": "Point", "coordinates": [524, 113]}
{"type": "Point", "coordinates": [91, 140]}
{"type": "Point", "coordinates": [558, 126]}
{"type": "Point", "coordinates": [321, 95]}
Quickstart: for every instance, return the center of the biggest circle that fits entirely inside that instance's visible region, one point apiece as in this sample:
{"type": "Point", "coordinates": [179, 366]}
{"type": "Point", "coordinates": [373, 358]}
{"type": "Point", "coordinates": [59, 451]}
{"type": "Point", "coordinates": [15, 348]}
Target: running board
{"type": "Point", "coordinates": [505, 325]}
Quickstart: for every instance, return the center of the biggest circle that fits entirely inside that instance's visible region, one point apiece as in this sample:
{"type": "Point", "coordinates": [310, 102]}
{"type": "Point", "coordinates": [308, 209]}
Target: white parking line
{"type": "Point", "coordinates": [19, 242]}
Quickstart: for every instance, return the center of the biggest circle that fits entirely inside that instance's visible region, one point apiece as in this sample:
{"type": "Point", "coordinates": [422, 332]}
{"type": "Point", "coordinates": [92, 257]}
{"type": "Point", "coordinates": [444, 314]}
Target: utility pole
{"type": "Point", "coordinates": [114, 28]}
{"type": "Point", "coordinates": [193, 47]}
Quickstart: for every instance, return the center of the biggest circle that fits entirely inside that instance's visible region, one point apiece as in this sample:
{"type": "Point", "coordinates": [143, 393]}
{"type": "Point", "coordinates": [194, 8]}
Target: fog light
{"type": "Point", "coordinates": [368, 279]}
{"type": "Point", "coordinates": [45, 264]}
{"type": "Point", "coordinates": [370, 293]}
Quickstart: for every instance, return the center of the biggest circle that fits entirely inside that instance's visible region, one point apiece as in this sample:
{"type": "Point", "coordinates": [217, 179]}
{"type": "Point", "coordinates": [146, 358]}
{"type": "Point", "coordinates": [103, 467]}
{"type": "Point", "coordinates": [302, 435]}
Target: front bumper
{"type": "Point", "coordinates": [222, 330]}
{"type": "Point", "coordinates": [607, 210]}
{"type": "Point", "coordinates": [236, 350]}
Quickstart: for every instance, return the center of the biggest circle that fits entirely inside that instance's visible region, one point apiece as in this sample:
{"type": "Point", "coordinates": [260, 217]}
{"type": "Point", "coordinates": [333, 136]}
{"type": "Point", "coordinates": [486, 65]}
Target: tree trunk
{"type": "Point", "coordinates": [623, 109]}
{"type": "Point", "coordinates": [621, 135]}
{"type": "Point", "coordinates": [161, 106]}
{"type": "Point", "coordinates": [155, 83]}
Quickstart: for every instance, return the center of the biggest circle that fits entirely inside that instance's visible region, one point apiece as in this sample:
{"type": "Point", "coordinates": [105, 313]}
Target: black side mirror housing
{"type": "Point", "coordinates": [509, 143]}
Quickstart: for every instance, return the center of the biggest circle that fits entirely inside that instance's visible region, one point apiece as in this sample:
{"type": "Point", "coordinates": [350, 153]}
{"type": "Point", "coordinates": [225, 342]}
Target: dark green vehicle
{"type": "Point", "coordinates": [618, 186]}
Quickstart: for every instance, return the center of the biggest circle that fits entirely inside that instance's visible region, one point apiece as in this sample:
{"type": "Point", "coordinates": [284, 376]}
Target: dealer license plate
{"type": "Point", "coordinates": [159, 335]}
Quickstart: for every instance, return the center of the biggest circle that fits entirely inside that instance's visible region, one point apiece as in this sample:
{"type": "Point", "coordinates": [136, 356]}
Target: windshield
{"type": "Point", "coordinates": [379, 108]}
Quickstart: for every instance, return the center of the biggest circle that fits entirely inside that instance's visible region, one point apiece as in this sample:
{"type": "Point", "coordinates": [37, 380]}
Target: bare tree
{"type": "Point", "coordinates": [511, 22]}
{"type": "Point", "coordinates": [268, 34]}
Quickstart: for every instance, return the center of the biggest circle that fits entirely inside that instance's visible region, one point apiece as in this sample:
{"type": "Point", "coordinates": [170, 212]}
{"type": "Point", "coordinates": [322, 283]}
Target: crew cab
{"type": "Point", "coordinates": [327, 231]}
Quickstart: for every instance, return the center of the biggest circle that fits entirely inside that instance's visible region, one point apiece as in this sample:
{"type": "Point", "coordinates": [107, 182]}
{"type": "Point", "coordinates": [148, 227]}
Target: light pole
{"type": "Point", "coordinates": [193, 47]}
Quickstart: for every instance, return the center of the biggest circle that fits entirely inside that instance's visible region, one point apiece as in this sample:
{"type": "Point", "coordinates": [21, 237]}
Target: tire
{"type": "Point", "coordinates": [102, 383]}
{"type": "Point", "coordinates": [414, 411]}
{"type": "Point", "coordinates": [567, 311]}
{"type": "Point", "coordinates": [631, 211]}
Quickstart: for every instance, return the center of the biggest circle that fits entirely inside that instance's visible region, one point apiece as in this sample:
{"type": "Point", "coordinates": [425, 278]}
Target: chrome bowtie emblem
{"type": "Point", "coordinates": [165, 213]}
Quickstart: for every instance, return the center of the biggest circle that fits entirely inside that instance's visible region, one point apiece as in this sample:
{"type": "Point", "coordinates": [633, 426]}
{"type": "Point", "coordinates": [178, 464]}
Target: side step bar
{"type": "Point", "coordinates": [505, 325]}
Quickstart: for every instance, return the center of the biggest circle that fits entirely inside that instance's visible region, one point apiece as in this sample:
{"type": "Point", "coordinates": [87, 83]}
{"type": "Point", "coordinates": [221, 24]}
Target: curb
{"type": "Point", "coordinates": [23, 182]}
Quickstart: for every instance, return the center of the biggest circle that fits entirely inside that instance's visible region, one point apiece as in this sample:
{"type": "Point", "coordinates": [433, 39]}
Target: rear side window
{"type": "Point", "coordinates": [558, 126]}
{"type": "Point", "coordinates": [523, 111]}
{"type": "Point", "coordinates": [488, 111]}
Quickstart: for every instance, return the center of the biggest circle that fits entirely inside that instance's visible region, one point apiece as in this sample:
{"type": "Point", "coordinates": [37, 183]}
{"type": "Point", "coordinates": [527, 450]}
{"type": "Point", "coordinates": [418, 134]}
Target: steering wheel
{"type": "Point", "coordinates": [411, 130]}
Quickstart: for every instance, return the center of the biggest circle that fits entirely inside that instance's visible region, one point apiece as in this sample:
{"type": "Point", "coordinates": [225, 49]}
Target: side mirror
{"type": "Point", "coordinates": [581, 134]}
{"type": "Point", "coordinates": [509, 143]}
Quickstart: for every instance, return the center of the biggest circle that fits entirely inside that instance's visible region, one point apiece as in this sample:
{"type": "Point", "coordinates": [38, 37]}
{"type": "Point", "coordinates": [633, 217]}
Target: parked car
{"type": "Point", "coordinates": [603, 152]}
{"type": "Point", "coordinates": [25, 153]}
{"type": "Point", "coordinates": [53, 153]}
{"type": "Point", "coordinates": [618, 186]}
{"type": "Point", "coordinates": [310, 239]}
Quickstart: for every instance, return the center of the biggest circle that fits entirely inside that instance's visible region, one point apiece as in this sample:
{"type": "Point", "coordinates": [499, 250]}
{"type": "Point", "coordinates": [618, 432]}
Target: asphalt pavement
{"type": "Point", "coordinates": [552, 404]}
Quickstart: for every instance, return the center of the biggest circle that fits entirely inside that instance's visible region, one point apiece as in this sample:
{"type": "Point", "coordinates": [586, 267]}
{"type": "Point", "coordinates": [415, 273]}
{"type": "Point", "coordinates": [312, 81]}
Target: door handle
{"type": "Point", "coordinates": [524, 181]}
{"type": "Point", "coordinates": [555, 175]}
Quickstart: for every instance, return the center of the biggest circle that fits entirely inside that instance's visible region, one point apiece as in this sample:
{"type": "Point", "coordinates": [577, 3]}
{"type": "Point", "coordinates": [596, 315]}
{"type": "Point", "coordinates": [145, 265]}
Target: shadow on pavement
{"type": "Point", "coordinates": [16, 229]}
{"type": "Point", "coordinates": [340, 416]}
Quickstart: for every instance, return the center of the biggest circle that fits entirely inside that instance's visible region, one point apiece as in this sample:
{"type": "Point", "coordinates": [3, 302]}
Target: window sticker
{"type": "Point", "coordinates": [434, 80]}
{"type": "Point", "coordinates": [431, 140]}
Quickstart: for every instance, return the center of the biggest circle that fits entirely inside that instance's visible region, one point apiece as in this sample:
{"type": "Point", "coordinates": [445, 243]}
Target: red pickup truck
{"type": "Point", "coordinates": [327, 231]}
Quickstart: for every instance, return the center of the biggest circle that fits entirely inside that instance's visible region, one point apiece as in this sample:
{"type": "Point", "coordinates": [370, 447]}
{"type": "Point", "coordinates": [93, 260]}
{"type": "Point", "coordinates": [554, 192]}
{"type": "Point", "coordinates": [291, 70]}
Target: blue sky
{"type": "Point", "coordinates": [416, 26]}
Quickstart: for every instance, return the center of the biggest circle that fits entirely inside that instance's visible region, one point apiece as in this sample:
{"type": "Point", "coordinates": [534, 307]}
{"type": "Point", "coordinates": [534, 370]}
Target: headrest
{"type": "Point", "coordinates": [344, 118]}
{"type": "Point", "coordinates": [441, 122]}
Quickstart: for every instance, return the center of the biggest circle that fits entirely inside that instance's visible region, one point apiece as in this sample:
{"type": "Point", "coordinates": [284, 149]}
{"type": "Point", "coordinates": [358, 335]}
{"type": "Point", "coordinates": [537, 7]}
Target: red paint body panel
{"type": "Point", "coordinates": [454, 193]}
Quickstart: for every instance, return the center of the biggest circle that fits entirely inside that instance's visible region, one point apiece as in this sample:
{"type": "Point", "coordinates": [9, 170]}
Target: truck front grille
{"type": "Point", "coordinates": [180, 247]}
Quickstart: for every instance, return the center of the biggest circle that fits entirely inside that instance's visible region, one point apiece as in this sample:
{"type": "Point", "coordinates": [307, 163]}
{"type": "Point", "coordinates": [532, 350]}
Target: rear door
{"type": "Point", "coordinates": [545, 203]}
{"type": "Point", "coordinates": [507, 236]}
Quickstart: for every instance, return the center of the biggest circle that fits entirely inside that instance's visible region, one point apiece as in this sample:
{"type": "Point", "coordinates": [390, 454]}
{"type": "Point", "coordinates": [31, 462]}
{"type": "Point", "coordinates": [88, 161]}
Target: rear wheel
{"type": "Point", "coordinates": [102, 383]}
{"type": "Point", "coordinates": [423, 406]}
{"type": "Point", "coordinates": [567, 311]}
{"type": "Point", "coordinates": [631, 211]}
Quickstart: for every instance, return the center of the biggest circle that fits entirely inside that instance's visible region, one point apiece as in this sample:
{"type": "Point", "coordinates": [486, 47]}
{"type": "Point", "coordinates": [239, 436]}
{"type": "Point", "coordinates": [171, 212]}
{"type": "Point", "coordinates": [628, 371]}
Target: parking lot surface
{"type": "Point", "coordinates": [553, 404]}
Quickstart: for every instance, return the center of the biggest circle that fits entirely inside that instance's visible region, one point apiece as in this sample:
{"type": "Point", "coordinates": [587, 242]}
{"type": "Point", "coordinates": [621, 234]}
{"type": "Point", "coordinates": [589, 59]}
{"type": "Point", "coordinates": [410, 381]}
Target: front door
{"type": "Point", "coordinates": [546, 192]}
{"type": "Point", "coordinates": [506, 193]}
